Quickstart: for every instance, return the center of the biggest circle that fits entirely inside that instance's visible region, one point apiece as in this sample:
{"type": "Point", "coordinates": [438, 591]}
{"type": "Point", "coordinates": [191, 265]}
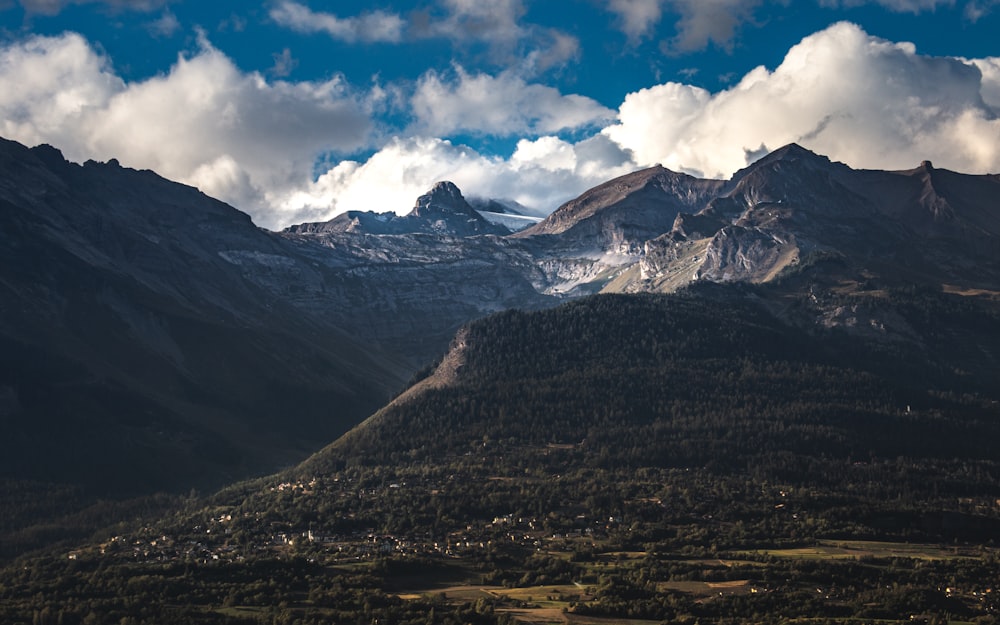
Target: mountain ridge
{"type": "Point", "coordinates": [178, 324]}
{"type": "Point", "coordinates": [807, 371]}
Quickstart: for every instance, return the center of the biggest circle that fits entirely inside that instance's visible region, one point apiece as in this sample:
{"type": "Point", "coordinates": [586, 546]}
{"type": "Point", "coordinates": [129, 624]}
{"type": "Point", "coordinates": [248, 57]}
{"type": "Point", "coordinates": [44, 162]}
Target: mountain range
{"type": "Point", "coordinates": [155, 339]}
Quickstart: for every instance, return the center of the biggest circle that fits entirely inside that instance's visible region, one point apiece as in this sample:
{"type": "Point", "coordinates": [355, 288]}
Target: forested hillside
{"type": "Point", "coordinates": [707, 378]}
{"type": "Point", "coordinates": [688, 458]}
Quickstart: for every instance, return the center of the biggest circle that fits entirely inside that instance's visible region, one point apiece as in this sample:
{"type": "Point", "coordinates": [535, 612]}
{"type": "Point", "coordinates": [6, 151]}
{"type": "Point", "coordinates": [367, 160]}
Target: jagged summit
{"type": "Point", "coordinates": [444, 197]}
{"type": "Point", "coordinates": [791, 154]}
{"type": "Point", "coordinates": [792, 151]}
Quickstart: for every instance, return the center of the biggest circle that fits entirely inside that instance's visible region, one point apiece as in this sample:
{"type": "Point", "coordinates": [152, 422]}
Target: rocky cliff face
{"type": "Point", "coordinates": [790, 214]}
{"type": "Point", "coordinates": [657, 231]}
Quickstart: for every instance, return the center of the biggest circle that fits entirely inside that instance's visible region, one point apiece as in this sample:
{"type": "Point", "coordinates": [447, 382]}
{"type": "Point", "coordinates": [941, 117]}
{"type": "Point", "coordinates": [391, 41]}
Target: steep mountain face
{"type": "Point", "coordinates": [155, 339]}
{"type": "Point", "coordinates": [134, 354]}
{"type": "Point", "coordinates": [658, 231]}
{"type": "Point", "coordinates": [410, 282]}
{"type": "Point", "coordinates": [621, 214]}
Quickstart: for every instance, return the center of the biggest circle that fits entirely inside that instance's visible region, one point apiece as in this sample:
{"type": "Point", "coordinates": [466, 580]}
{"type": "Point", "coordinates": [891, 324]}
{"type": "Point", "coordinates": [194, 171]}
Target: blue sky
{"type": "Point", "coordinates": [296, 110]}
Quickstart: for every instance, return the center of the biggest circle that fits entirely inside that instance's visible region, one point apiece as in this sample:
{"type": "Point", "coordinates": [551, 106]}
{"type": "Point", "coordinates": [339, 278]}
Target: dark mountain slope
{"type": "Point", "coordinates": [134, 354]}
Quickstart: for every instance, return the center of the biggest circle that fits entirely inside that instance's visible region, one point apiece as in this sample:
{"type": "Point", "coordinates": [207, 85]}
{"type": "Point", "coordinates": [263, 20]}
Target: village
{"type": "Point", "coordinates": [235, 535]}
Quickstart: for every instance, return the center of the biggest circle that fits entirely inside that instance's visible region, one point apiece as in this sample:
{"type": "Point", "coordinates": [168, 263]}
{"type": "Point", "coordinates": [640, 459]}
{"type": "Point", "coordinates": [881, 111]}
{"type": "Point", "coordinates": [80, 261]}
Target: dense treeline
{"type": "Point", "coordinates": [693, 382]}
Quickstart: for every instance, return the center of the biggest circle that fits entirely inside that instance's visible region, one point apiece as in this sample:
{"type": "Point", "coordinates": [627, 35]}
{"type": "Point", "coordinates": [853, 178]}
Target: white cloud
{"type": "Point", "coordinates": [234, 135]}
{"type": "Point", "coordinates": [498, 105]}
{"type": "Point", "coordinates": [840, 92]}
{"type": "Point", "coordinates": [369, 27]}
{"type": "Point", "coordinates": [990, 68]}
{"type": "Point", "coordinates": [549, 153]}
{"type": "Point", "coordinates": [541, 175]}
{"type": "Point", "coordinates": [166, 26]}
{"type": "Point", "coordinates": [47, 83]}
{"type": "Point", "coordinates": [284, 64]}
{"type": "Point", "coordinates": [637, 17]}
{"type": "Point", "coordinates": [705, 21]}
{"type": "Point", "coordinates": [553, 49]}
{"type": "Point", "coordinates": [655, 120]}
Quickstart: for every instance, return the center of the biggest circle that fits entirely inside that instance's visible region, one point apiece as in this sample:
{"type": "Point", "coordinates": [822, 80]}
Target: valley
{"type": "Point", "coordinates": [772, 398]}
{"type": "Point", "coordinates": [717, 462]}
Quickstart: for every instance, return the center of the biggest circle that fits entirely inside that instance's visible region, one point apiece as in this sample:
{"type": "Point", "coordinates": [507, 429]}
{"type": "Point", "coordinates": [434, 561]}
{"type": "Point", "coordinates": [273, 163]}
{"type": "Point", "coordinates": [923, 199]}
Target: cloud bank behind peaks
{"type": "Point", "coordinates": [841, 92]}
{"type": "Point", "coordinates": [540, 174]}
{"type": "Point", "coordinates": [256, 143]}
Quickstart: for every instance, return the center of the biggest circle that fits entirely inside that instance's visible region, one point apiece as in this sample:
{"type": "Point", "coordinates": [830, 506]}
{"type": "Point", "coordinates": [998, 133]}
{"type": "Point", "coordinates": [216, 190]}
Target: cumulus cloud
{"type": "Point", "coordinates": [840, 92]}
{"type": "Point", "coordinates": [990, 68]}
{"type": "Point", "coordinates": [47, 83]}
{"type": "Point", "coordinates": [368, 27]}
{"type": "Point", "coordinates": [256, 143]}
{"type": "Point", "coordinates": [498, 105]}
{"type": "Point", "coordinates": [541, 174]}
{"type": "Point", "coordinates": [234, 135]}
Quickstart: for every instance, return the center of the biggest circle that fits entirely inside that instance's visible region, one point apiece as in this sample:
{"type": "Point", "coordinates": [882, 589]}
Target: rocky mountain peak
{"type": "Point", "coordinates": [792, 155]}
{"type": "Point", "coordinates": [793, 151]}
{"type": "Point", "coordinates": [444, 197]}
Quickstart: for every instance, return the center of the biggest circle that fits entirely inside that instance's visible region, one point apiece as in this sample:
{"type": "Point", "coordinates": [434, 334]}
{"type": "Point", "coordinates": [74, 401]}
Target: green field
{"type": "Point", "coordinates": [857, 549]}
